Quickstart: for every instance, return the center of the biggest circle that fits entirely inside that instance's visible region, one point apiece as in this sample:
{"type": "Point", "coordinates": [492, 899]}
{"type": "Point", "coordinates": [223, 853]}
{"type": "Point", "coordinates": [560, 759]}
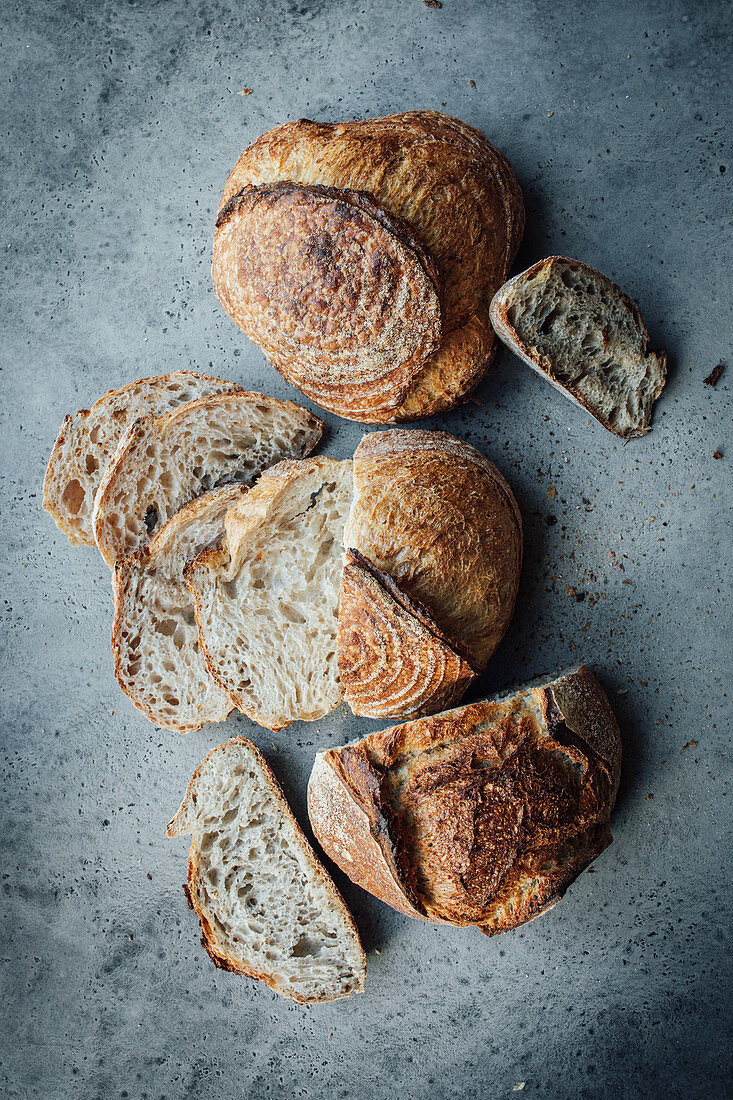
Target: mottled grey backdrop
{"type": "Point", "coordinates": [120, 124]}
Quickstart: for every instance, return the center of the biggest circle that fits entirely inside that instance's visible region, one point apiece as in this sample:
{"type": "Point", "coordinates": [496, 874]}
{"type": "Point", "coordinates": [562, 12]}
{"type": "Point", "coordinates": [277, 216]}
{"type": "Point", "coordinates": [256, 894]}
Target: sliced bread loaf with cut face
{"type": "Point", "coordinates": [163, 462]}
{"type": "Point", "coordinates": [482, 815]}
{"type": "Point", "coordinates": [158, 663]}
{"type": "Point", "coordinates": [267, 907]}
{"type": "Point", "coordinates": [579, 330]}
{"type": "Point", "coordinates": [267, 602]}
{"type": "Point", "coordinates": [87, 441]}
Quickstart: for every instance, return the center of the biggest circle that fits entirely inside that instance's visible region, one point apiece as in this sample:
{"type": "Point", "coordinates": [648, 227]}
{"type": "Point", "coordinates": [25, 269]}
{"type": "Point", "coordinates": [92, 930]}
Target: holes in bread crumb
{"type": "Point", "coordinates": [151, 518]}
{"type": "Point", "coordinates": [166, 627]}
{"type": "Point", "coordinates": [92, 465]}
{"type": "Point", "coordinates": [73, 497]}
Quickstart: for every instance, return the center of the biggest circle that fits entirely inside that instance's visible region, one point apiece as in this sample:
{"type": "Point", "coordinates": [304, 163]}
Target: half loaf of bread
{"type": "Point", "coordinates": [362, 257]}
{"type": "Point", "coordinates": [483, 815]}
{"type": "Point", "coordinates": [163, 462]}
{"type": "Point", "coordinates": [87, 441]}
{"type": "Point", "coordinates": [158, 663]}
{"type": "Point", "coordinates": [579, 330]}
{"type": "Point", "coordinates": [267, 907]}
{"type": "Point", "coordinates": [434, 545]}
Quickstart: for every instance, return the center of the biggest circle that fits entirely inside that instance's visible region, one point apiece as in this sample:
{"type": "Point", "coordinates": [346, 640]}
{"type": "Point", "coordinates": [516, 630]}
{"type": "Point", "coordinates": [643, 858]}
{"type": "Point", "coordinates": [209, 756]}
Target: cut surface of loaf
{"type": "Point", "coordinates": [163, 462]}
{"type": "Point", "coordinates": [267, 907]}
{"type": "Point", "coordinates": [88, 438]}
{"type": "Point", "coordinates": [480, 815]}
{"type": "Point", "coordinates": [446, 196]}
{"type": "Point", "coordinates": [433, 513]}
{"type": "Point", "coordinates": [158, 663]}
{"type": "Point", "coordinates": [393, 659]}
{"type": "Point", "coordinates": [267, 601]}
{"type": "Point", "coordinates": [578, 329]}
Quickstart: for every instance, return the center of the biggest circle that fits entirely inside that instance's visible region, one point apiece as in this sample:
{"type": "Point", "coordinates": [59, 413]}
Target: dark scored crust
{"type": "Point", "coordinates": [461, 201]}
{"type": "Point", "coordinates": [481, 815]}
{"type": "Point", "coordinates": [339, 294]}
{"type": "Point", "coordinates": [394, 661]}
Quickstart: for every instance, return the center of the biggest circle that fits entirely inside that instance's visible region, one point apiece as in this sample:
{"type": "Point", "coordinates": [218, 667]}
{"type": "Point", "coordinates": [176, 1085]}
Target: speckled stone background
{"type": "Point", "coordinates": [120, 124]}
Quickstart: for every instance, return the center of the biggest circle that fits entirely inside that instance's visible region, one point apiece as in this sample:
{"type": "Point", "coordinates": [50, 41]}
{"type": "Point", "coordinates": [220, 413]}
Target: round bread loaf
{"type": "Point", "coordinates": [362, 257]}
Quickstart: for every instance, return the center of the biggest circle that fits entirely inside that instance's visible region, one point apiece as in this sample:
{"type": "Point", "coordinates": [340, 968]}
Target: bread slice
{"type": "Point", "coordinates": [267, 907]}
{"type": "Point", "coordinates": [580, 331]}
{"type": "Point", "coordinates": [163, 462]}
{"type": "Point", "coordinates": [158, 663]}
{"type": "Point", "coordinates": [267, 602]}
{"type": "Point", "coordinates": [393, 659]}
{"type": "Point", "coordinates": [482, 815]}
{"type": "Point", "coordinates": [87, 441]}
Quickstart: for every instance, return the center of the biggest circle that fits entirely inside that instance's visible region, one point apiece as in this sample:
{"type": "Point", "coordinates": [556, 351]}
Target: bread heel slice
{"type": "Point", "coordinates": [267, 908]}
{"type": "Point", "coordinates": [161, 463]}
{"type": "Point", "coordinates": [158, 663]}
{"type": "Point", "coordinates": [393, 659]}
{"type": "Point", "coordinates": [87, 441]}
{"type": "Point", "coordinates": [482, 815]}
{"type": "Point", "coordinates": [580, 331]}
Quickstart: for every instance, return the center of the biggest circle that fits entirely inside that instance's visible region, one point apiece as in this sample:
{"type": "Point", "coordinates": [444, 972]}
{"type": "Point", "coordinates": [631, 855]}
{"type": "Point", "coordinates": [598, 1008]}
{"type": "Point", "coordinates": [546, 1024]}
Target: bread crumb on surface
{"type": "Point", "coordinates": [714, 377]}
{"type": "Point", "coordinates": [245, 91]}
{"type": "Point", "coordinates": [432, 3]}
{"type": "Point", "coordinates": [688, 745]}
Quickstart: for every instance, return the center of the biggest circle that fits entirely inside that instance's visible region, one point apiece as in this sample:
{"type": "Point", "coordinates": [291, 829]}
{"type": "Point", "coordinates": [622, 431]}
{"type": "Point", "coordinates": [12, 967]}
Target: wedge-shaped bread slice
{"type": "Point", "coordinates": [267, 907]}
{"type": "Point", "coordinates": [158, 663]}
{"type": "Point", "coordinates": [393, 658]}
{"type": "Point", "coordinates": [483, 815]}
{"type": "Point", "coordinates": [163, 462]}
{"type": "Point", "coordinates": [433, 513]}
{"type": "Point", "coordinates": [267, 601]}
{"type": "Point", "coordinates": [87, 441]}
{"type": "Point", "coordinates": [580, 331]}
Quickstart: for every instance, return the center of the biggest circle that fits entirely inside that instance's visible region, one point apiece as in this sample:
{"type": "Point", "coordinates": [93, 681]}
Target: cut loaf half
{"type": "Point", "coordinates": [267, 907]}
{"type": "Point", "coordinates": [158, 663]}
{"type": "Point", "coordinates": [87, 441]}
{"type": "Point", "coordinates": [579, 330]}
{"type": "Point", "coordinates": [163, 462]}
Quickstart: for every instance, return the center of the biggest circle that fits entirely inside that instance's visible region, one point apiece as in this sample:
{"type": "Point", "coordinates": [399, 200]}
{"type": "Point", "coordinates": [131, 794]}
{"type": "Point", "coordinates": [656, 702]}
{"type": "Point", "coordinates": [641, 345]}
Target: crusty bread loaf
{"type": "Point", "coordinates": [439, 518]}
{"type": "Point", "coordinates": [393, 659]}
{"type": "Point", "coordinates": [163, 462]}
{"type": "Point", "coordinates": [481, 815]}
{"type": "Point", "coordinates": [158, 663]}
{"type": "Point", "coordinates": [267, 907]}
{"type": "Point", "coordinates": [267, 602]}
{"type": "Point", "coordinates": [362, 257]}
{"type": "Point", "coordinates": [580, 331]}
{"type": "Point", "coordinates": [87, 441]}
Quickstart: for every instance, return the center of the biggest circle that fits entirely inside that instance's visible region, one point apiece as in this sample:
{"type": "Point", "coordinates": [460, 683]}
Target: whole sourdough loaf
{"type": "Point", "coordinates": [163, 462]}
{"type": "Point", "coordinates": [158, 663]}
{"type": "Point", "coordinates": [482, 815]}
{"type": "Point", "coordinates": [267, 907]}
{"type": "Point", "coordinates": [87, 441]}
{"type": "Point", "coordinates": [362, 257]}
{"type": "Point", "coordinates": [580, 331]}
{"type": "Point", "coordinates": [433, 534]}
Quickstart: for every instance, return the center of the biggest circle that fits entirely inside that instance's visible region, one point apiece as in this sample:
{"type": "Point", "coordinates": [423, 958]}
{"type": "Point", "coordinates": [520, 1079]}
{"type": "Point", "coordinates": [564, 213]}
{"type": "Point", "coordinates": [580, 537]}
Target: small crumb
{"type": "Point", "coordinates": [622, 691]}
{"type": "Point", "coordinates": [551, 492]}
{"type": "Point", "coordinates": [689, 745]}
{"type": "Point", "coordinates": [590, 870]}
{"type": "Point", "coordinates": [472, 83]}
{"type": "Point", "coordinates": [432, 3]}
{"type": "Point", "coordinates": [150, 876]}
{"type": "Point", "coordinates": [550, 114]}
{"type": "Point", "coordinates": [245, 91]}
{"type": "Point", "coordinates": [377, 951]}
{"type": "Point", "coordinates": [129, 937]}
{"type": "Point", "coordinates": [570, 591]}
{"type": "Point", "coordinates": [650, 797]}
{"type": "Point", "coordinates": [714, 377]}
{"type": "Point", "coordinates": [717, 454]}
{"type": "Point", "coordinates": [519, 1086]}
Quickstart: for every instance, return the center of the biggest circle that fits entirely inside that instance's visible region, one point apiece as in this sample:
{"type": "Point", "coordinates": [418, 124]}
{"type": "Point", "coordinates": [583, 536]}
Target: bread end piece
{"type": "Point", "coordinates": [580, 331]}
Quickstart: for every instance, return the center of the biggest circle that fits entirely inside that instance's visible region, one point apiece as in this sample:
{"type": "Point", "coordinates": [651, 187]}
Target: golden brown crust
{"type": "Point", "coordinates": [339, 294]}
{"type": "Point", "coordinates": [481, 815]}
{"type": "Point", "coordinates": [461, 200]}
{"type": "Point", "coordinates": [184, 822]}
{"type": "Point", "coordinates": [393, 659]}
{"type": "Point", "coordinates": [439, 518]}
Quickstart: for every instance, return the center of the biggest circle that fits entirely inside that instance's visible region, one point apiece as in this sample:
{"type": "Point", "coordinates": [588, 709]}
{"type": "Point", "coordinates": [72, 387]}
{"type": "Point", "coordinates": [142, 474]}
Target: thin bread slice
{"type": "Point", "coordinates": [163, 462]}
{"type": "Point", "coordinates": [88, 438]}
{"type": "Point", "coordinates": [267, 907]}
{"type": "Point", "coordinates": [579, 330]}
{"type": "Point", "coordinates": [266, 603]}
{"type": "Point", "coordinates": [158, 663]}
{"type": "Point", "coordinates": [394, 661]}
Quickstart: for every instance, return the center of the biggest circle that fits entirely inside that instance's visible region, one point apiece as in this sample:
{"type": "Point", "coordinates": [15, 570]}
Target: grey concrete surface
{"type": "Point", "coordinates": [121, 122]}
